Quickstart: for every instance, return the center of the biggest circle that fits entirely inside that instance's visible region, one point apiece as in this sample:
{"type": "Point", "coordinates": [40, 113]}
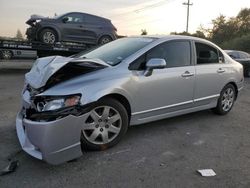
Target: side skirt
{"type": "Point", "coordinates": [136, 119]}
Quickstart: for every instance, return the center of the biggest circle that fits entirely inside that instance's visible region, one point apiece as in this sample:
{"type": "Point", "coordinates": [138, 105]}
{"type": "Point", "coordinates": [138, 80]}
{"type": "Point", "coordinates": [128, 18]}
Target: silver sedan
{"type": "Point", "coordinates": [88, 101]}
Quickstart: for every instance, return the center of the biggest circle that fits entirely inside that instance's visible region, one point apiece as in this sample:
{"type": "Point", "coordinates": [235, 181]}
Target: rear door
{"type": "Point", "coordinates": [212, 73]}
{"type": "Point", "coordinates": [93, 27]}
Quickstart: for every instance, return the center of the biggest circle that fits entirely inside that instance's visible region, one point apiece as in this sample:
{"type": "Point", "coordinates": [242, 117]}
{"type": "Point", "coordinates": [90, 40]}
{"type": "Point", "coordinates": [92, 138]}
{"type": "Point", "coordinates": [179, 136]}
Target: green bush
{"type": "Point", "coordinates": [239, 43]}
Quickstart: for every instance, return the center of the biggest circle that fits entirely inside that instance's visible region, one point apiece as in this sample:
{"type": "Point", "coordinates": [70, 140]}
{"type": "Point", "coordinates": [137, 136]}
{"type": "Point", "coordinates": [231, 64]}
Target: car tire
{"type": "Point", "coordinates": [6, 54]}
{"type": "Point", "coordinates": [247, 72]}
{"type": "Point", "coordinates": [104, 40]}
{"type": "Point", "coordinates": [226, 100]}
{"type": "Point", "coordinates": [48, 36]}
{"type": "Point", "coordinates": [105, 125]}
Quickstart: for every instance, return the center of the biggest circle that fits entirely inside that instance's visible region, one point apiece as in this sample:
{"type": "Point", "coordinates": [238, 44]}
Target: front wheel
{"type": "Point", "coordinates": [48, 36]}
{"type": "Point", "coordinates": [226, 100]}
{"type": "Point", "coordinates": [105, 125]}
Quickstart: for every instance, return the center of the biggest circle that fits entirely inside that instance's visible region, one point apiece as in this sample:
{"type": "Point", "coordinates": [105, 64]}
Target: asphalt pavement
{"type": "Point", "coordinates": [165, 153]}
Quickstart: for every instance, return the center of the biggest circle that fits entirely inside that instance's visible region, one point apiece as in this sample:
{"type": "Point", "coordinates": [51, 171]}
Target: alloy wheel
{"type": "Point", "coordinates": [49, 37]}
{"type": "Point", "coordinates": [6, 54]}
{"type": "Point", "coordinates": [105, 40]}
{"type": "Point", "coordinates": [102, 125]}
{"type": "Point", "coordinates": [227, 99]}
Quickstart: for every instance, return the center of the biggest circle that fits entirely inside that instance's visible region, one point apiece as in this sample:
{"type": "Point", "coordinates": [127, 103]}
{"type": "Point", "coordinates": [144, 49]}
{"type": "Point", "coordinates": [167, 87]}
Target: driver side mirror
{"type": "Point", "coordinates": [65, 19]}
{"type": "Point", "coordinates": [154, 63]}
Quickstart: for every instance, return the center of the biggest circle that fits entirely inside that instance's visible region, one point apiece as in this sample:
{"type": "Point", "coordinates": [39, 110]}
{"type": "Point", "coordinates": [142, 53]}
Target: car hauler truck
{"type": "Point", "coordinates": [23, 49]}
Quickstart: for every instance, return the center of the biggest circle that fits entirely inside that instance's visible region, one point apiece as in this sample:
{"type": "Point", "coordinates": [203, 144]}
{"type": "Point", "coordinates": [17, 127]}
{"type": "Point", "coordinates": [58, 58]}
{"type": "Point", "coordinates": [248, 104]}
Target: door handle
{"type": "Point", "coordinates": [80, 26]}
{"type": "Point", "coordinates": [220, 70]}
{"type": "Point", "coordinates": [187, 74]}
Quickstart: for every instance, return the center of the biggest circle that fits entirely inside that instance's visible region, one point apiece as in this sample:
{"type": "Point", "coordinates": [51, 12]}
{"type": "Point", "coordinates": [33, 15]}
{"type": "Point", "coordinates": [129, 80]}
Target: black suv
{"type": "Point", "coordinates": [71, 27]}
{"type": "Point", "coordinates": [241, 57]}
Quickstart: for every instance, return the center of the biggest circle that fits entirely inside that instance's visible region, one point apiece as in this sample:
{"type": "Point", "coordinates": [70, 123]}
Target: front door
{"type": "Point", "coordinates": [166, 90]}
{"type": "Point", "coordinates": [73, 28]}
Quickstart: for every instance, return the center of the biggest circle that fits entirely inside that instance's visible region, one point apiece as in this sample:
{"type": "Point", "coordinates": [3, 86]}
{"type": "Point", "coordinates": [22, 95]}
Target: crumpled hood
{"type": "Point", "coordinates": [52, 68]}
{"type": "Point", "coordinates": [34, 18]}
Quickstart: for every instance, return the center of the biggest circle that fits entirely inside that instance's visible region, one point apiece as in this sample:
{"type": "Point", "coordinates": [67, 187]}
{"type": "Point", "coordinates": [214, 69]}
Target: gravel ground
{"type": "Point", "coordinates": [165, 153]}
{"type": "Point", "coordinates": [16, 65]}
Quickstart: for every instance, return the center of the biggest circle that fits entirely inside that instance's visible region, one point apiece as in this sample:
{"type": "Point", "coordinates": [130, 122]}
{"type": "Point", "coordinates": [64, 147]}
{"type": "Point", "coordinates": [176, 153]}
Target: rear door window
{"type": "Point", "coordinates": [207, 54]}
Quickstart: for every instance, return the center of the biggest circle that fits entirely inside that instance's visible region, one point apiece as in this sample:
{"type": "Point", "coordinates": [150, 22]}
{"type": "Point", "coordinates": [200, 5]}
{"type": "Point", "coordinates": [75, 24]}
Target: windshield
{"type": "Point", "coordinates": [58, 16]}
{"type": "Point", "coordinates": [116, 51]}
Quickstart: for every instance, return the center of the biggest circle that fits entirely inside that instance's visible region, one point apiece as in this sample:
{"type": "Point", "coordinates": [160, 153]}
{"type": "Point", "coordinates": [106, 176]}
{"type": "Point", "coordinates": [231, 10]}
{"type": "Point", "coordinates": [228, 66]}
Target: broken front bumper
{"type": "Point", "coordinates": [55, 141]}
{"type": "Point", "coordinates": [31, 33]}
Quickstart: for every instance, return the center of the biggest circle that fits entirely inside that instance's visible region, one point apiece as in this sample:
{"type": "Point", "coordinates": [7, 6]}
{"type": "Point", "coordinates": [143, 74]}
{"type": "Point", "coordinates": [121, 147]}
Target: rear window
{"type": "Point", "coordinates": [244, 55]}
{"type": "Point", "coordinates": [234, 55]}
{"type": "Point", "coordinates": [93, 19]}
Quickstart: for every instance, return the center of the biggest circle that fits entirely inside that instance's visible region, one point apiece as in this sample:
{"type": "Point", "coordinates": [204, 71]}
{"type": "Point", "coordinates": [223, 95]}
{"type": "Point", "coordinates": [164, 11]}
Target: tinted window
{"type": "Point", "coordinates": [244, 55]}
{"type": "Point", "coordinates": [234, 55]}
{"type": "Point", "coordinates": [248, 55]}
{"type": "Point", "coordinates": [74, 18]}
{"type": "Point", "coordinates": [116, 51]}
{"type": "Point", "coordinates": [176, 54]}
{"type": "Point", "coordinates": [92, 19]}
{"type": "Point", "coordinates": [206, 54]}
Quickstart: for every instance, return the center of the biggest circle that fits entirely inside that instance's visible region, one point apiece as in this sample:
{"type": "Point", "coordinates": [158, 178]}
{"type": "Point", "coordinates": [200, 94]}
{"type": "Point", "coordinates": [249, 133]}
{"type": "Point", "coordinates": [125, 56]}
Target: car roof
{"type": "Point", "coordinates": [171, 37]}
{"type": "Point", "coordinates": [99, 17]}
{"type": "Point", "coordinates": [228, 51]}
{"type": "Point", "coordinates": [177, 37]}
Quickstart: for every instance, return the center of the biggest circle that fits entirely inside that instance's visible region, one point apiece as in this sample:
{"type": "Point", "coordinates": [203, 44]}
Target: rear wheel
{"type": "Point", "coordinates": [226, 100]}
{"type": "Point", "coordinates": [104, 40]}
{"type": "Point", "coordinates": [6, 54]}
{"type": "Point", "coordinates": [105, 125]}
{"type": "Point", "coordinates": [48, 36]}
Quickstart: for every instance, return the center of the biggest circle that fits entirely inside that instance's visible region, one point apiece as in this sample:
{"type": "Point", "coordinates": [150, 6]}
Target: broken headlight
{"type": "Point", "coordinates": [55, 103]}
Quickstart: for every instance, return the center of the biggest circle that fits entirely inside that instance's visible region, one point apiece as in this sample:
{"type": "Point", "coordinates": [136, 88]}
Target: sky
{"type": "Point", "coordinates": [129, 16]}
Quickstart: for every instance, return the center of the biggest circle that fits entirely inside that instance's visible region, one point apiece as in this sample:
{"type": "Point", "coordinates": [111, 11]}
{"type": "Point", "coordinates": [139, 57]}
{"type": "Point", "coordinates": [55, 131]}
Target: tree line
{"type": "Point", "coordinates": [18, 36]}
{"type": "Point", "coordinates": [229, 33]}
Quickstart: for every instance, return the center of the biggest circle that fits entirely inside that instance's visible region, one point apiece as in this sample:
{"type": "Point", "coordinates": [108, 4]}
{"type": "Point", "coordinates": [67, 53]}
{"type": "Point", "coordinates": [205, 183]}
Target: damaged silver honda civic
{"type": "Point", "coordinates": [89, 100]}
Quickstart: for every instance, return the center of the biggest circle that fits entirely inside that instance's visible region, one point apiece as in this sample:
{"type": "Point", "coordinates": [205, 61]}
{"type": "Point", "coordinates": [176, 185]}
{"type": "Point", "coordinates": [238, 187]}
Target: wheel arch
{"type": "Point", "coordinates": [122, 99]}
{"type": "Point", "coordinates": [52, 28]}
{"type": "Point", "coordinates": [235, 87]}
{"type": "Point", "coordinates": [103, 35]}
